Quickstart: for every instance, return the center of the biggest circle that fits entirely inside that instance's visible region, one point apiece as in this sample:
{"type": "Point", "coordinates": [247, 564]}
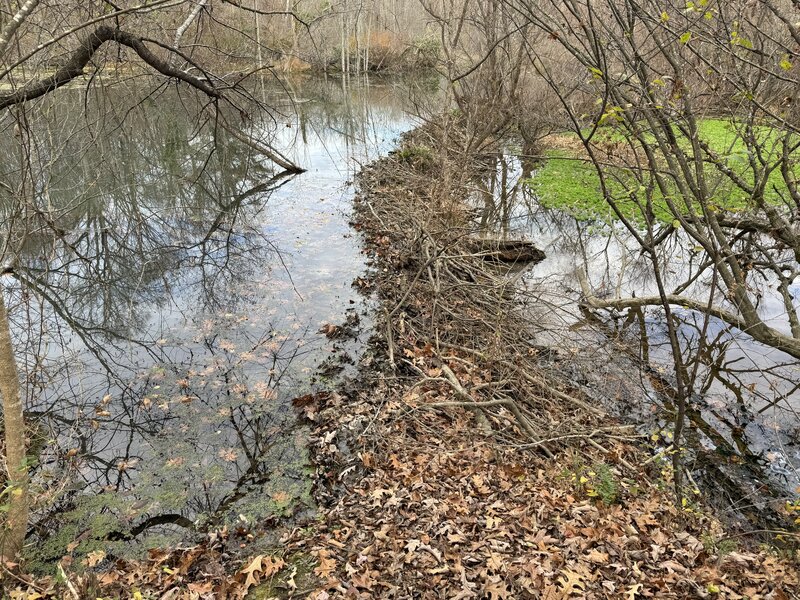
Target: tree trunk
{"type": "Point", "coordinates": [185, 26]}
{"type": "Point", "coordinates": [13, 534]}
{"type": "Point", "coordinates": [344, 42]}
{"type": "Point", "coordinates": [11, 27]}
{"type": "Point", "coordinates": [369, 39]}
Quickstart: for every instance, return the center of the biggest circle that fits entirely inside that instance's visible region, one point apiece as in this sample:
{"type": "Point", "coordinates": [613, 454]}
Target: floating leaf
{"type": "Point", "coordinates": [94, 558]}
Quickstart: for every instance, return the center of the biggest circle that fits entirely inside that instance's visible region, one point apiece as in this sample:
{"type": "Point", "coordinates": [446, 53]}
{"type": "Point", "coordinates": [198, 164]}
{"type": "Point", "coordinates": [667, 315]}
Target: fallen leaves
{"type": "Point", "coordinates": [326, 565]}
{"type": "Point", "coordinates": [443, 512]}
{"type": "Point", "coordinates": [261, 567]}
{"type": "Point", "coordinates": [228, 454]}
{"type": "Point", "coordinates": [189, 573]}
{"type": "Point", "coordinates": [330, 331]}
{"type": "Point", "coordinates": [418, 504]}
{"type": "Point", "coordinates": [570, 583]}
{"type": "Point", "coordinates": [94, 558]}
{"type": "Point", "coordinates": [633, 591]}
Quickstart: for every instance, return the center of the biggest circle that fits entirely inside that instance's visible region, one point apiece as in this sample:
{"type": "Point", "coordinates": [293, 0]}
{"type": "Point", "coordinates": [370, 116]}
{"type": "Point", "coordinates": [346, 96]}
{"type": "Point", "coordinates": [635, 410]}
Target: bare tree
{"type": "Point", "coordinates": [657, 73]}
{"type": "Point", "coordinates": [483, 54]}
{"type": "Point", "coordinates": [16, 487]}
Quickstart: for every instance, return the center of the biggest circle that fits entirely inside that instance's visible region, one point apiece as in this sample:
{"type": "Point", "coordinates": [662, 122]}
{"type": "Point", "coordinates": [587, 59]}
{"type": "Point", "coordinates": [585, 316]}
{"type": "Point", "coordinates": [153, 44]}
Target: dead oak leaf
{"type": "Point", "coordinates": [365, 580]}
{"type": "Point", "coordinates": [327, 564]}
{"type": "Point", "coordinates": [495, 562]}
{"type": "Point", "coordinates": [672, 566]}
{"type": "Point", "coordinates": [633, 591]}
{"type": "Point", "coordinates": [570, 582]}
{"type": "Point", "coordinates": [94, 558]}
{"type": "Point", "coordinates": [551, 592]}
{"type": "Point", "coordinates": [228, 454]}
{"type": "Point", "coordinates": [260, 566]}
{"type": "Point", "coordinates": [201, 587]}
{"type": "Point", "coordinates": [280, 496]}
{"type": "Point", "coordinates": [597, 557]}
{"type": "Point", "coordinates": [497, 590]}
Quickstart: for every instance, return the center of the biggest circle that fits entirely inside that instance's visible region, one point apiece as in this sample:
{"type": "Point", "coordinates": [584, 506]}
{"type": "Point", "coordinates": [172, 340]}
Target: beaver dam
{"type": "Point", "coordinates": [396, 388]}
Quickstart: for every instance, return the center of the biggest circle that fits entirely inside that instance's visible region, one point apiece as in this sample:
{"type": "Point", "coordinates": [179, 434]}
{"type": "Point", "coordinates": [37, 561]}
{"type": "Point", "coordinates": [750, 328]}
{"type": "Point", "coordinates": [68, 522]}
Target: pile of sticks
{"type": "Point", "coordinates": [454, 329]}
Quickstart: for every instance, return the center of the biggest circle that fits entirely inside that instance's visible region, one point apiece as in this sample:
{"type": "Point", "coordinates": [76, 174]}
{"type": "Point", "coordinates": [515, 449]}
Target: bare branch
{"type": "Point", "coordinates": [81, 57]}
{"type": "Point", "coordinates": [758, 330]}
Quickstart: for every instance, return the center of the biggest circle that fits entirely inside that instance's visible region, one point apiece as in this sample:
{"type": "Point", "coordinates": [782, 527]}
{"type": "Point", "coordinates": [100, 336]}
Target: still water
{"type": "Point", "coordinates": [171, 291]}
{"type": "Point", "coordinates": [170, 296]}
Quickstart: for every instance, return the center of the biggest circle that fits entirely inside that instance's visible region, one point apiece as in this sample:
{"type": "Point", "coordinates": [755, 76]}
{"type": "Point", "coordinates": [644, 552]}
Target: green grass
{"type": "Point", "coordinates": [573, 185]}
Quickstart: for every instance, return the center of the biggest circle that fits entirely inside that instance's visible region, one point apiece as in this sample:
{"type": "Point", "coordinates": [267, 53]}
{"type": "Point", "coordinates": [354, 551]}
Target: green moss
{"type": "Point", "coordinates": [85, 527]}
{"type": "Point", "coordinates": [417, 155]}
{"type": "Point", "coordinates": [570, 183]}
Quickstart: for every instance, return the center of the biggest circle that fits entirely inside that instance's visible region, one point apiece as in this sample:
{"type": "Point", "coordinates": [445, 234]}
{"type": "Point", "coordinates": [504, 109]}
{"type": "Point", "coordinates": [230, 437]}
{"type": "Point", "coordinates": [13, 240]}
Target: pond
{"type": "Point", "coordinates": [744, 433]}
{"type": "Point", "coordinates": [175, 297]}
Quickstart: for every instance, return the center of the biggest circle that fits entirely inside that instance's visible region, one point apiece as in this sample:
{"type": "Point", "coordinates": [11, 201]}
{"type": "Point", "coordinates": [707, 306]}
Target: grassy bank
{"type": "Point", "coordinates": [568, 181]}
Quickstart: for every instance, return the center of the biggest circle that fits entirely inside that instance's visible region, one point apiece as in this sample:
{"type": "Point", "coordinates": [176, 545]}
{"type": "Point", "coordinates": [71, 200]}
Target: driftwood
{"type": "Point", "coordinates": [506, 251]}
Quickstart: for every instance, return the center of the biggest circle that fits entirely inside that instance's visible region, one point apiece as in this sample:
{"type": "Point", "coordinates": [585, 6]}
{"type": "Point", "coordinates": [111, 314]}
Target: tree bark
{"type": "Point", "coordinates": [188, 23]}
{"type": "Point", "coordinates": [14, 24]}
{"type": "Point", "coordinates": [13, 534]}
{"type": "Point", "coordinates": [80, 58]}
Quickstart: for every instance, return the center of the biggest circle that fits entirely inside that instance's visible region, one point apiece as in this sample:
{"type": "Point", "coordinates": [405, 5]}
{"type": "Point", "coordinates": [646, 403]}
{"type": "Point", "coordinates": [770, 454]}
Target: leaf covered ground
{"type": "Point", "coordinates": [441, 511]}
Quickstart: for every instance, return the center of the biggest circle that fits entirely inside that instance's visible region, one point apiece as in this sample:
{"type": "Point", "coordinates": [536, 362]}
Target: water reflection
{"type": "Point", "coordinates": [167, 296]}
{"type": "Point", "coordinates": [745, 413]}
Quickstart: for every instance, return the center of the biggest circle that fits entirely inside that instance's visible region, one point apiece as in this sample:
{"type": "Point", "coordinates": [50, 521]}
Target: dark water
{"type": "Point", "coordinates": [169, 296]}
{"type": "Point", "coordinates": [744, 425]}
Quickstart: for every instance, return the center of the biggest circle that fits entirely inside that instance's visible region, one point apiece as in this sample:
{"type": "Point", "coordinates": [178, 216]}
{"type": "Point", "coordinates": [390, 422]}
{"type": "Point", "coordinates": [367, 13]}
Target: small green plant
{"type": "Point", "coordinates": [793, 510]}
{"type": "Point", "coordinates": [418, 155]}
{"type": "Point", "coordinates": [597, 482]}
{"type": "Point", "coordinates": [427, 49]}
{"type": "Point", "coordinates": [603, 484]}
{"type": "Point", "coordinates": [718, 546]}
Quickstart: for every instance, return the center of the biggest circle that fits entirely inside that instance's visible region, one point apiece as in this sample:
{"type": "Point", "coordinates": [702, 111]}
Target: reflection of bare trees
{"type": "Point", "coordinates": [104, 230]}
{"type": "Point", "coordinates": [158, 357]}
{"type": "Point", "coordinates": [109, 223]}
